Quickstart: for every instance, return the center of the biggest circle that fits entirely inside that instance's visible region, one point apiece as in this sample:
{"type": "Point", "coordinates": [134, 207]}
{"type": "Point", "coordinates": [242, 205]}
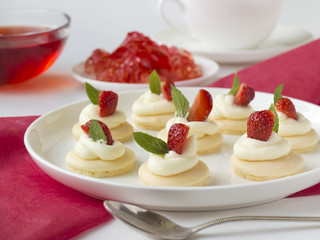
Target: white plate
{"type": "Point", "coordinates": [49, 138]}
{"type": "Point", "coordinates": [282, 39]}
{"type": "Point", "coordinates": [209, 67]}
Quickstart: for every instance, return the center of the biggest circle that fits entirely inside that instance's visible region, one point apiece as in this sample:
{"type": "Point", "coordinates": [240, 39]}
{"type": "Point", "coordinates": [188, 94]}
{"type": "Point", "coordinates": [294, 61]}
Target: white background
{"type": "Point", "coordinates": [104, 24]}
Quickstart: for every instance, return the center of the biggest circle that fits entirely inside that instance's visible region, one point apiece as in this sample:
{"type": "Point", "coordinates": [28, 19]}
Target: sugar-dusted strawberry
{"type": "Point", "coordinates": [166, 89]}
{"type": "Point", "coordinates": [260, 125]}
{"type": "Point", "coordinates": [201, 106]}
{"type": "Point", "coordinates": [177, 137]}
{"type": "Point", "coordinates": [286, 106]}
{"type": "Point", "coordinates": [244, 95]}
{"type": "Point", "coordinates": [108, 102]}
{"type": "Point", "coordinates": [85, 127]}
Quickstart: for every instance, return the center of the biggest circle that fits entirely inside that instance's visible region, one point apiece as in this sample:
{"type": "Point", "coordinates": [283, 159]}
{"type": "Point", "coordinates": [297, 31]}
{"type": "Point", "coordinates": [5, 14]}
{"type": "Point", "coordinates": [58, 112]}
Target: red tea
{"type": "Point", "coordinates": [25, 56]}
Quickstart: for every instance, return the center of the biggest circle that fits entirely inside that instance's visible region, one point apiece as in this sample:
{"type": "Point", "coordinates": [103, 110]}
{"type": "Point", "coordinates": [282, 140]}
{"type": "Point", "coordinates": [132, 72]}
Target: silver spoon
{"type": "Point", "coordinates": [159, 226]}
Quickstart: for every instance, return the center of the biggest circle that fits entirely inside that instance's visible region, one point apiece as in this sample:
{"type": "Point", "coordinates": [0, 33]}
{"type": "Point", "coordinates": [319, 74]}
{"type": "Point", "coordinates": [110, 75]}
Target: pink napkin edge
{"type": "Point", "coordinates": [18, 125]}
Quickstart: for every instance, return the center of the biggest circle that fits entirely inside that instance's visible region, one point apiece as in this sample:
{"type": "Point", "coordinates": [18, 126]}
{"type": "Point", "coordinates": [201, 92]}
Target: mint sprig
{"type": "Point", "coordinates": [235, 86]}
{"type": "Point", "coordinates": [155, 83]}
{"type": "Point", "coordinates": [92, 93]}
{"type": "Point", "coordinates": [96, 132]}
{"type": "Point", "coordinates": [180, 102]}
{"type": "Point", "coordinates": [277, 94]}
{"type": "Point", "coordinates": [276, 118]}
{"type": "Point", "coordinates": [150, 143]}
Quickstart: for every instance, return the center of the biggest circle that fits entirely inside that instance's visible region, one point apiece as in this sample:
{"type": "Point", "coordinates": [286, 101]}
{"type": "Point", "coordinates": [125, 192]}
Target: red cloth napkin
{"type": "Point", "coordinates": [314, 190]}
{"type": "Point", "coordinates": [32, 204]}
{"type": "Point", "coordinates": [298, 70]}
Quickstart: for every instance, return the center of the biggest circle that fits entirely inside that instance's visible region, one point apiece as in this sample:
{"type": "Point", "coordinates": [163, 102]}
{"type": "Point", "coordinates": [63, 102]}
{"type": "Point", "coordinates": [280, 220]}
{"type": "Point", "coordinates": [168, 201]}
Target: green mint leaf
{"type": "Point", "coordinates": [277, 94]}
{"type": "Point", "coordinates": [235, 85]}
{"type": "Point", "coordinates": [96, 131]}
{"type": "Point", "coordinates": [276, 118]}
{"type": "Point", "coordinates": [151, 143]}
{"type": "Point", "coordinates": [180, 102]}
{"type": "Point", "coordinates": [155, 83]}
{"type": "Point", "coordinates": [92, 93]}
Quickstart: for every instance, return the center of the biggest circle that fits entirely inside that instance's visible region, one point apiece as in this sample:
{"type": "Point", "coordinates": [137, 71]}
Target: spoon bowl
{"type": "Point", "coordinates": [147, 221]}
{"type": "Point", "coordinates": [159, 226]}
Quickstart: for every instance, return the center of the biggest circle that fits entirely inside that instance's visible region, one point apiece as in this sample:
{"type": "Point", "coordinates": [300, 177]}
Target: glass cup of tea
{"type": "Point", "coordinates": [30, 42]}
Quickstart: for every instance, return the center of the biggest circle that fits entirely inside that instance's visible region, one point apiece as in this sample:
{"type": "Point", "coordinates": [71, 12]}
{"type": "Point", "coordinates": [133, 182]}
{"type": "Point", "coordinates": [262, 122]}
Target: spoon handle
{"type": "Point", "coordinates": [254, 218]}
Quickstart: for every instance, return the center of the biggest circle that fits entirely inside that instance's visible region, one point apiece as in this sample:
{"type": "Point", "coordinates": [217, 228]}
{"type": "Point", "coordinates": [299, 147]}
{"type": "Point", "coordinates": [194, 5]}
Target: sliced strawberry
{"type": "Point", "coordinates": [177, 137]}
{"type": "Point", "coordinates": [201, 106]}
{"type": "Point", "coordinates": [286, 106]}
{"type": "Point", "coordinates": [85, 127]}
{"type": "Point", "coordinates": [108, 102]}
{"type": "Point", "coordinates": [260, 125]}
{"type": "Point", "coordinates": [244, 95]}
{"type": "Point", "coordinates": [166, 89]}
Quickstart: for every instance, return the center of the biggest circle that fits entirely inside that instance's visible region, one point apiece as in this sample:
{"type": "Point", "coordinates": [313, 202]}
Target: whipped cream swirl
{"type": "Point", "coordinates": [291, 127]}
{"type": "Point", "coordinates": [91, 111]}
{"type": "Point", "coordinates": [198, 128]}
{"type": "Point", "coordinates": [223, 107]}
{"type": "Point", "coordinates": [255, 150]}
{"type": "Point", "coordinates": [173, 163]}
{"type": "Point", "coordinates": [88, 149]}
{"type": "Point", "coordinates": [152, 104]}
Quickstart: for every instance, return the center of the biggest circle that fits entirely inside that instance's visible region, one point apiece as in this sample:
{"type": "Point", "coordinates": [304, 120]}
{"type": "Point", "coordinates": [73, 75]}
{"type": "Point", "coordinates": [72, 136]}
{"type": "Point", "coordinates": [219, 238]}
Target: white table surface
{"type": "Point", "coordinates": [104, 23]}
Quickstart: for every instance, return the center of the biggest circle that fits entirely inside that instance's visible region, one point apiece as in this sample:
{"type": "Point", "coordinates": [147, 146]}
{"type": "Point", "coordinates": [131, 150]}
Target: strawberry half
{"type": "Point", "coordinates": [166, 89]}
{"type": "Point", "coordinates": [244, 95]}
{"type": "Point", "coordinates": [260, 125]}
{"type": "Point", "coordinates": [286, 106]}
{"type": "Point", "coordinates": [85, 128]}
{"type": "Point", "coordinates": [177, 137]}
{"type": "Point", "coordinates": [201, 106]}
{"type": "Point", "coordinates": [108, 102]}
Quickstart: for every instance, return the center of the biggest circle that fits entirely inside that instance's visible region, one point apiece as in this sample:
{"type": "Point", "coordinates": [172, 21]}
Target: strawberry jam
{"type": "Point", "coordinates": [137, 57]}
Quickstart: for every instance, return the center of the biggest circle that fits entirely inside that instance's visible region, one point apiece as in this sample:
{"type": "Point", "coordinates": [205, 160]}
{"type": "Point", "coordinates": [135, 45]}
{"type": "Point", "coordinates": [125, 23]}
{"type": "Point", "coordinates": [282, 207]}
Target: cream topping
{"type": "Point", "coordinates": [198, 128]}
{"type": "Point", "coordinates": [173, 163]}
{"type": "Point", "coordinates": [291, 127]}
{"type": "Point", "coordinates": [256, 150]}
{"type": "Point", "coordinates": [152, 104]}
{"type": "Point", "coordinates": [92, 112]}
{"type": "Point", "coordinates": [88, 149]}
{"type": "Point", "coordinates": [223, 107]}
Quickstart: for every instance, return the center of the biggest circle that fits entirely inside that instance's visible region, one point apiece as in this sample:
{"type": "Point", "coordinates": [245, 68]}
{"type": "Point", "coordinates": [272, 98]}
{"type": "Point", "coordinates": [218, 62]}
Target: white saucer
{"type": "Point", "coordinates": [281, 40]}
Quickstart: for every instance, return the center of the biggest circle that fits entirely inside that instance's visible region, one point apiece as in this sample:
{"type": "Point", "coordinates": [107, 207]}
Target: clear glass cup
{"type": "Point", "coordinates": [30, 42]}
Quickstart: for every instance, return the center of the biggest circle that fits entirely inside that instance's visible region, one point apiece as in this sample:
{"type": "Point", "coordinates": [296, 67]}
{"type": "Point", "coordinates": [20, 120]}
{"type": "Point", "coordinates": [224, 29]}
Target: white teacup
{"type": "Point", "coordinates": [227, 24]}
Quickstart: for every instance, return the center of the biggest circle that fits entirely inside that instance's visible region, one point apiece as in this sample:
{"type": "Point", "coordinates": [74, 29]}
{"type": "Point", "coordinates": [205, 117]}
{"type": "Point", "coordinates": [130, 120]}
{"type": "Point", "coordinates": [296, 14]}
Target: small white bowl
{"type": "Point", "coordinates": [209, 68]}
